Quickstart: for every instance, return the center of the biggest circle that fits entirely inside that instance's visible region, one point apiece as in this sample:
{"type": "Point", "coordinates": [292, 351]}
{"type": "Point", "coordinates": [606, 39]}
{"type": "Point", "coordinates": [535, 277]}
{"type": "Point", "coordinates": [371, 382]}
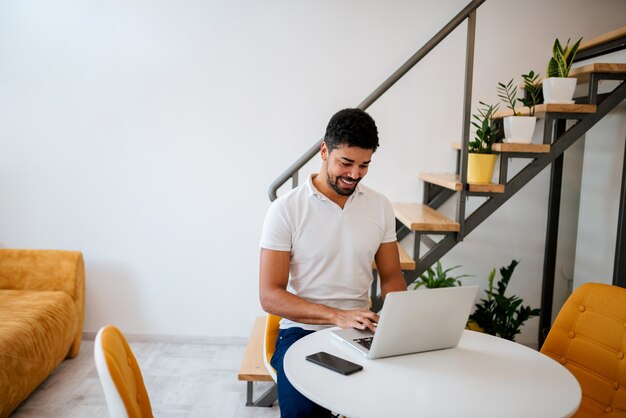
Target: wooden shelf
{"type": "Point", "coordinates": [420, 217]}
{"type": "Point", "coordinates": [513, 148]}
{"type": "Point", "coordinates": [406, 262]}
{"type": "Point", "coordinates": [451, 181]}
{"type": "Point", "coordinates": [542, 109]}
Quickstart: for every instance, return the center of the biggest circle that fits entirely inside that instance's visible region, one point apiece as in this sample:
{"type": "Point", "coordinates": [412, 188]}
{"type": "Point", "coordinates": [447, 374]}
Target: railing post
{"type": "Point", "coordinates": [467, 110]}
{"type": "Point", "coordinates": [552, 239]}
{"type": "Point", "coordinates": [619, 266]}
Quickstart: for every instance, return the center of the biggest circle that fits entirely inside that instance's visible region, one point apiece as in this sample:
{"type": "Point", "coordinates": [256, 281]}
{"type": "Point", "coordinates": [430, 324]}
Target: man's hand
{"type": "Point", "coordinates": [361, 318]}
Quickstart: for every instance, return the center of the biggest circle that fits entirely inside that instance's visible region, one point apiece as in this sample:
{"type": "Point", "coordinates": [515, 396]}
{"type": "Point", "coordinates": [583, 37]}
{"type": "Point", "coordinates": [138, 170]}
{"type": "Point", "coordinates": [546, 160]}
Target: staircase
{"type": "Point", "coordinates": [563, 125]}
{"type": "Point", "coordinates": [422, 220]}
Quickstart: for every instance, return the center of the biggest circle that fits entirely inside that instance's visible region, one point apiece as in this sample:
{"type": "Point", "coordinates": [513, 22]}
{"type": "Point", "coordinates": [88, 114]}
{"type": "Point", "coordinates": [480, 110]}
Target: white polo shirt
{"type": "Point", "coordinates": [332, 249]}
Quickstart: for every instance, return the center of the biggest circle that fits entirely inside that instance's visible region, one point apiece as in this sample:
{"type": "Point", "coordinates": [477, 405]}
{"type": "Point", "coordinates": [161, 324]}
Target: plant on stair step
{"type": "Point", "coordinates": [438, 278]}
{"type": "Point", "coordinates": [485, 129]}
{"type": "Point", "coordinates": [517, 128]}
{"type": "Point", "coordinates": [559, 87]}
{"type": "Point", "coordinates": [533, 91]}
{"type": "Point", "coordinates": [481, 161]}
{"type": "Point", "coordinates": [507, 93]}
{"type": "Point", "coordinates": [501, 315]}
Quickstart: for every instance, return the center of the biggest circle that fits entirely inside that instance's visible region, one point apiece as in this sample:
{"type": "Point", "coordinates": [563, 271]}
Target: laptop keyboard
{"type": "Point", "coordinates": [365, 342]}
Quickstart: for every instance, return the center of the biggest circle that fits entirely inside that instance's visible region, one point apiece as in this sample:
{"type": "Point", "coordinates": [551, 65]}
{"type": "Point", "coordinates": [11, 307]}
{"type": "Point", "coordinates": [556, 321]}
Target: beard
{"type": "Point", "coordinates": [334, 184]}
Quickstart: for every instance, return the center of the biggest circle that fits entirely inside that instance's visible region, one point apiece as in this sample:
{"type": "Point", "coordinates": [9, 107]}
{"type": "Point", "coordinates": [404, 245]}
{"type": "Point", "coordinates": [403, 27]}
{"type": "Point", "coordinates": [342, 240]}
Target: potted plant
{"type": "Point", "coordinates": [438, 278]}
{"type": "Point", "coordinates": [498, 314]}
{"type": "Point", "coordinates": [532, 88]}
{"type": "Point", "coordinates": [517, 128]}
{"type": "Point", "coordinates": [559, 87]}
{"type": "Point", "coordinates": [481, 161]}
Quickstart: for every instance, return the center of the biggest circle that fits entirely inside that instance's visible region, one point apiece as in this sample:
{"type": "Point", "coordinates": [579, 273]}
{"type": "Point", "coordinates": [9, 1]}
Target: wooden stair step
{"type": "Point", "coordinates": [452, 181]}
{"type": "Point", "coordinates": [602, 39]}
{"type": "Point", "coordinates": [406, 262]}
{"type": "Point", "coordinates": [513, 148]}
{"type": "Point", "coordinates": [583, 73]}
{"type": "Point", "coordinates": [446, 180]}
{"type": "Point", "coordinates": [542, 109]}
{"type": "Point", "coordinates": [525, 148]}
{"type": "Point", "coordinates": [420, 217]}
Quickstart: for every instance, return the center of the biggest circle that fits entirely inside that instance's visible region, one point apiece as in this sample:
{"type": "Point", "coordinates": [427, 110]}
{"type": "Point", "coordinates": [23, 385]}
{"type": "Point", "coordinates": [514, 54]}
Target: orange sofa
{"type": "Point", "coordinates": [42, 298]}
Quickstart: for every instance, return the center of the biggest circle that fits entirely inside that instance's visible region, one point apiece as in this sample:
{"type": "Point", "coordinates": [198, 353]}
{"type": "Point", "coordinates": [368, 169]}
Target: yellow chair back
{"type": "Point", "coordinates": [120, 375]}
{"type": "Point", "coordinates": [269, 343]}
{"type": "Point", "coordinates": [589, 338]}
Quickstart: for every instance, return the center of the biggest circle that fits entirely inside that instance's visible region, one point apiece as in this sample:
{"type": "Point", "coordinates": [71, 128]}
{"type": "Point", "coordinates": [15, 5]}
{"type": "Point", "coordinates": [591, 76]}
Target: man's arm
{"type": "Point", "coordinates": [275, 299]}
{"type": "Point", "coordinates": [388, 264]}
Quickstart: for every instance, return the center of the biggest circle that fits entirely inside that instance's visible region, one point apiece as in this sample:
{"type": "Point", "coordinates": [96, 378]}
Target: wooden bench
{"type": "Point", "coordinates": [253, 369]}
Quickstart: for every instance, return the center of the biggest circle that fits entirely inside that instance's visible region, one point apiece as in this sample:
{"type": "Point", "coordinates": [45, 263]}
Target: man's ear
{"type": "Point", "coordinates": [324, 151]}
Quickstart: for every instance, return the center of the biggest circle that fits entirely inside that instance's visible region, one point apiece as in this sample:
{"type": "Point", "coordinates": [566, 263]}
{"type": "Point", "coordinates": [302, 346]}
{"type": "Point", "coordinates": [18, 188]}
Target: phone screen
{"type": "Point", "coordinates": [334, 363]}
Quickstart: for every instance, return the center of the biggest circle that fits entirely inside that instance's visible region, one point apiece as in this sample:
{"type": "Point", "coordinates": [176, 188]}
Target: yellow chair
{"type": "Point", "coordinates": [272, 324]}
{"type": "Point", "coordinates": [589, 338]}
{"type": "Point", "coordinates": [120, 376]}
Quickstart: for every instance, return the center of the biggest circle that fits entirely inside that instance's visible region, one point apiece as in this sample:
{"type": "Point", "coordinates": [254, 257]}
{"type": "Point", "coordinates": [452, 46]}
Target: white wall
{"type": "Point", "coordinates": [601, 181]}
{"type": "Point", "coordinates": [599, 206]}
{"type": "Point", "coordinates": [146, 133]}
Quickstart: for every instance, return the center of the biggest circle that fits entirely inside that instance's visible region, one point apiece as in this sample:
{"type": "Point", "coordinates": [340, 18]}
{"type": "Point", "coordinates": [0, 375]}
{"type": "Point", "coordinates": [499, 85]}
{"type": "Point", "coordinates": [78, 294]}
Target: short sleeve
{"type": "Point", "coordinates": [276, 233]}
{"type": "Point", "coordinates": [390, 222]}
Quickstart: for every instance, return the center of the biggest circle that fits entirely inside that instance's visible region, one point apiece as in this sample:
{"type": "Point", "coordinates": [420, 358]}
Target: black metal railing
{"type": "Point", "coordinates": [469, 12]}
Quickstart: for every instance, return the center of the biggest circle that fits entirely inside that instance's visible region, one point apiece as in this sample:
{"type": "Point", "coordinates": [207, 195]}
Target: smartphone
{"type": "Point", "coordinates": [334, 363]}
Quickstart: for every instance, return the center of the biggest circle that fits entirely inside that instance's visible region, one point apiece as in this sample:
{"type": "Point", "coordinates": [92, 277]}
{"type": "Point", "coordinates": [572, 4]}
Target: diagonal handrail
{"type": "Point", "coordinates": [292, 171]}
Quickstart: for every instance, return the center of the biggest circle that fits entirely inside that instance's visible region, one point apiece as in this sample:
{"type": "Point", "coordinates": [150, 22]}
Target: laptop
{"type": "Point", "coordinates": [415, 321]}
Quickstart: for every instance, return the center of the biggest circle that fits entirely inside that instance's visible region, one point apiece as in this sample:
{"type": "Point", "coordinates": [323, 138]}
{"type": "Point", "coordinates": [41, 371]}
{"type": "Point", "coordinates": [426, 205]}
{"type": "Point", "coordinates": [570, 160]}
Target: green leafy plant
{"type": "Point", "coordinates": [438, 278]}
{"type": "Point", "coordinates": [498, 314]}
{"type": "Point", "coordinates": [533, 91]}
{"type": "Point", "coordinates": [507, 93]}
{"type": "Point", "coordinates": [486, 129]}
{"type": "Point", "coordinates": [562, 58]}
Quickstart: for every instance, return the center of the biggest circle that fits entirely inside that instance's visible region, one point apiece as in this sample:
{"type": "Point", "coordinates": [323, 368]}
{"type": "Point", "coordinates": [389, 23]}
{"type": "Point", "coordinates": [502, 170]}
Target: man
{"type": "Point", "coordinates": [317, 248]}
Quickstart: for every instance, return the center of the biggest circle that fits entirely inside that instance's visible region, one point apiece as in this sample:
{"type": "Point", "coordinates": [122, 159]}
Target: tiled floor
{"type": "Point", "coordinates": [183, 380]}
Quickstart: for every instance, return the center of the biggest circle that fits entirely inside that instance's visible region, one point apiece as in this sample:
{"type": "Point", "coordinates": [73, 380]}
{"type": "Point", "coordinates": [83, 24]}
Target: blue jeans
{"type": "Point", "coordinates": [292, 403]}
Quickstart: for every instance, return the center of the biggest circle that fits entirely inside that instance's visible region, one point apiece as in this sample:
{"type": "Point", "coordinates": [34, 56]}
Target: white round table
{"type": "Point", "coordinates": [483, 376]}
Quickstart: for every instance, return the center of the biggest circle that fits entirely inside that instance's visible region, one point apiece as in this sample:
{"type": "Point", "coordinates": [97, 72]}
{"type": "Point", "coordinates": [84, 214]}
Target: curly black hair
{"type": "Point", "coordinates": [351, 127]}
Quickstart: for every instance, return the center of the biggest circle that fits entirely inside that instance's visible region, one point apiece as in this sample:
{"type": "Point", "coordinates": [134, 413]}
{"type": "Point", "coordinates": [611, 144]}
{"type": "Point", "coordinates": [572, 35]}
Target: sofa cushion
{"type": "Point", "coordinates": [36, 331]}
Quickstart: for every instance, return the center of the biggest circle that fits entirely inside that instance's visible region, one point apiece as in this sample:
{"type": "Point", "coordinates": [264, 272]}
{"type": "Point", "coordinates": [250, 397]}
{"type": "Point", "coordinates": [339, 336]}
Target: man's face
{"type": "Point", "coordinates": [346, 166]}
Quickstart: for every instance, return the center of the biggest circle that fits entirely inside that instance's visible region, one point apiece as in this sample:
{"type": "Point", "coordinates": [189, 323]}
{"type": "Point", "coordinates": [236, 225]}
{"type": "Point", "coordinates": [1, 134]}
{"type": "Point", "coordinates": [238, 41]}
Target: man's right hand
{"type": "Point", "coordinates": [361, 318]}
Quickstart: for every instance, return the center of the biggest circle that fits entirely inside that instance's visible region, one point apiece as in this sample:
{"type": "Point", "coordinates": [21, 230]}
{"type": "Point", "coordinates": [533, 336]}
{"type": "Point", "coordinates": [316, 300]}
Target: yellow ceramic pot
{"type": "Point", "coordinates": [473, 326]}
{"type": "Point", "coordinates": [480, 167]}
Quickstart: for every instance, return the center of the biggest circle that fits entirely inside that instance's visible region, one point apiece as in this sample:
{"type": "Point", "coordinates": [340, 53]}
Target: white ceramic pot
{"type": "Point", "coordinates": [519, 129]}
{"type": "Point", "coordinates": [559, 90]}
